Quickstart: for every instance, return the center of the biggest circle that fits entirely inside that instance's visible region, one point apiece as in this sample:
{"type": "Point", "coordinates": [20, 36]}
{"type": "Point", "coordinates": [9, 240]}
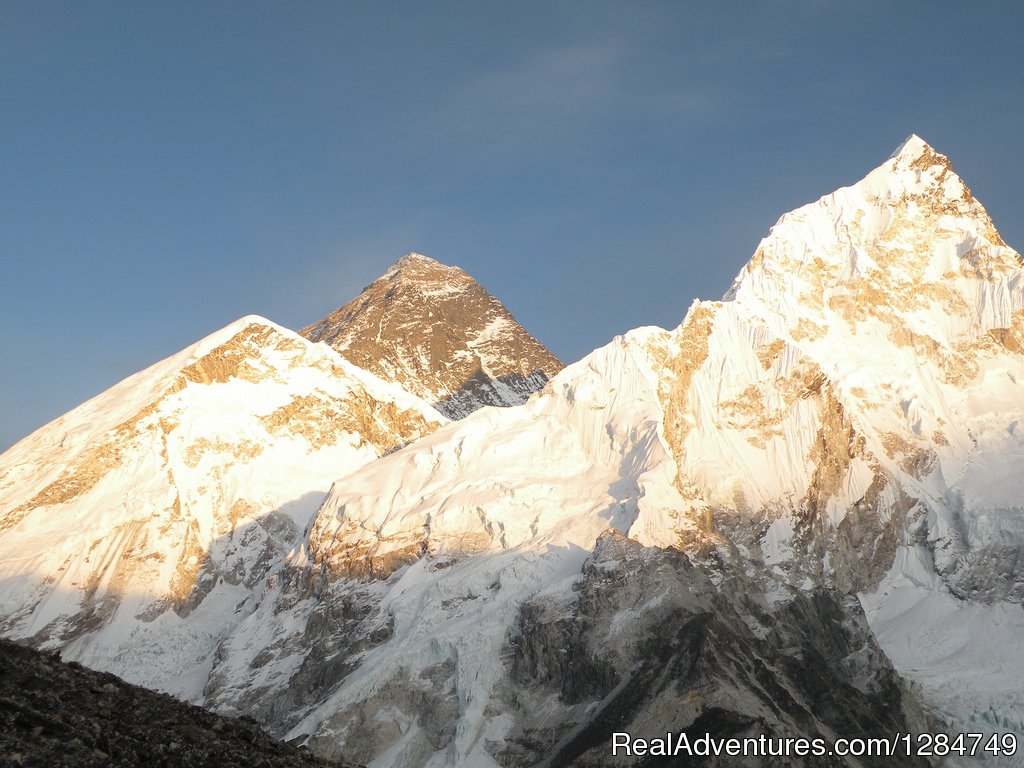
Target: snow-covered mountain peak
{"type": "Point", "coordinates": [871, 346]}
{"type": "Point", "coordinates": [175, 491]}
{"type": "Point", "coordinates": [916, 161]}
{"type": "Point", "coordinates": [239, 364]}
{"type": "Point", "coordinates": [431, 274]}
{"type": "Point", "coordinates": [900, 244]}
{"type": "Point", "coordinates": [917, 170]}
{"type": "Point", "coordinates": [413, 256]}
{"type": "Point", "coordinates": [435, 331]}
{"type": "Point", "coordinates": [912, 148]}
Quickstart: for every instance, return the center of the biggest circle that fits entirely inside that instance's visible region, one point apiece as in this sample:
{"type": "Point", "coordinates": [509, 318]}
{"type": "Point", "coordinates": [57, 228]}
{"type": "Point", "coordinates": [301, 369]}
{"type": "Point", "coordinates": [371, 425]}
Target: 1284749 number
{"type": "Point", "coordinates": [963, 744]}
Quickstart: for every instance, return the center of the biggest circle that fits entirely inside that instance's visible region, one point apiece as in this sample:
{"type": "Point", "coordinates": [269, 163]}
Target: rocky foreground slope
{"type": "Point", "coordinates": [55, 713]}
{"type": "Point", "coordinates": [436, 332]}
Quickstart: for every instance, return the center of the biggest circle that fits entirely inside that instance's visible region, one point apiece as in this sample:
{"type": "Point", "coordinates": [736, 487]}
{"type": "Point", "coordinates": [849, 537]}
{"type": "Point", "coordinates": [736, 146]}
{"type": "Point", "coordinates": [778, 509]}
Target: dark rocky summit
{"type": "Point", "coordinates": [61, 714]}
{"type": "Point", "coordinates": [435, 331]}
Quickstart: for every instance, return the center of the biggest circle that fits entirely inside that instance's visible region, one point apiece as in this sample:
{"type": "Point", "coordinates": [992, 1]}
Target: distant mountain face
{"type": "Point", "coordinates": [436, 332]}
{"type": "Point", "coordinates": [752, 524]}
{"type": "Point", "coordinates": [134, 529]}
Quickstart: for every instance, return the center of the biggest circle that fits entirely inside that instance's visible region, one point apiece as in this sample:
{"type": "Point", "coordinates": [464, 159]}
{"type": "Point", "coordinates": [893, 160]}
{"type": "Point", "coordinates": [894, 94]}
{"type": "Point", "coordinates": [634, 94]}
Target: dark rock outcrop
{"type": "Point", "coordinates": [651, 645]}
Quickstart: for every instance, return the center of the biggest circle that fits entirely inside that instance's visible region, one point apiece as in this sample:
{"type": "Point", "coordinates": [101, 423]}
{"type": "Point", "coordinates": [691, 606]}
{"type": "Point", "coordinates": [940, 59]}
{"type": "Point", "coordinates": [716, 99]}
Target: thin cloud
{"type": "Point", "coordinates": [563, 82]}
{"type": "Point", "coordinates": [565, 95]}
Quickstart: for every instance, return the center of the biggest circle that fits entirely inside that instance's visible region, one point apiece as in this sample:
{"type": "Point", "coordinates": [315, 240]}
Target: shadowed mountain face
{"type": "Point", "coordinates": [700, 657]}
{"type": "Point", "coordinates": [53, 713]}
{"type": "Point", "coordinates": [434, 330]}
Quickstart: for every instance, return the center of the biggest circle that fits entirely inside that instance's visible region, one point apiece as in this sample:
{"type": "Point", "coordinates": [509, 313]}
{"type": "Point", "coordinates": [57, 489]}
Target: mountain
{"type": "Point", "coordinates": [436, 332]}
{"type": "Point", "coordinates": [796, 514]}
{"type": "Point", "coordinates": [56, 713]}
{"type": "Point", "coordinates": [803, 490]}
{"type": "Point", "coordinates": [135, 529]}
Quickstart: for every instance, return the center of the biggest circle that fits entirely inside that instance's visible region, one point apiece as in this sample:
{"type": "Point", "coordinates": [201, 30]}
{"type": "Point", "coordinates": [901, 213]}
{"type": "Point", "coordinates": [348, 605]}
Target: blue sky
{"type": "Point", "coordinates": [169, 167]}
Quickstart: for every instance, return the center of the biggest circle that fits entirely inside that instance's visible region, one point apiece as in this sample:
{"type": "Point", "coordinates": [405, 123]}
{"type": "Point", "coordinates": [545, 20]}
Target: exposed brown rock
{"type": "Point", "coordinates": [320, 420]}
{"type": "Point", "coordinates": [1011, 338]}
{"type": "Point", "coordinates": [235, 357]}
{"type": "Point", "coordinates": [675, 388]}
{"type": "Point", "coordinates": [435, 331]}
{"type": "Point", "coordinates": [767, 354]}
